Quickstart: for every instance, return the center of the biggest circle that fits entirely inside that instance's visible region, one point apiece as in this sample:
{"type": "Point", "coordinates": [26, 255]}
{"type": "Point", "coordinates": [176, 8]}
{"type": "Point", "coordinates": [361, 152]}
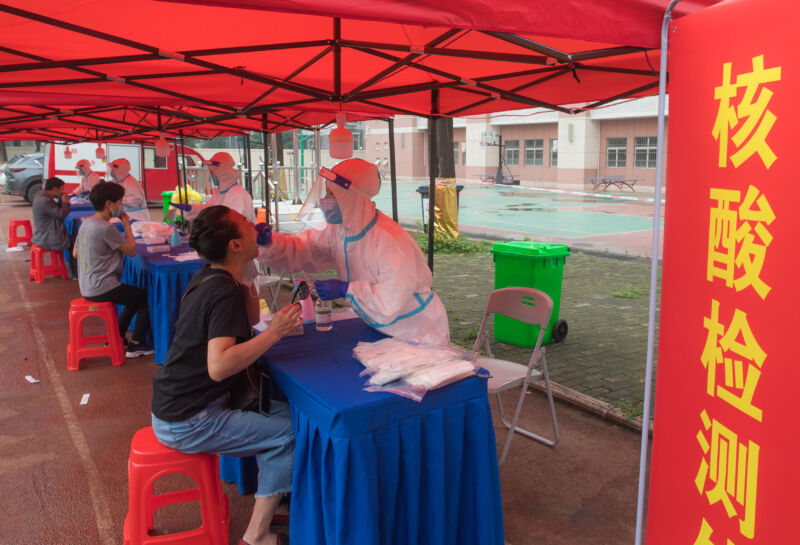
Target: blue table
{"type": "Point", "coordinates": [165, 281]}
{"type": "Point", "coordinates": [81, 206]}
{"type": "Point", "coordinates": [73, 221]}
{"type": "Point", "coordinates": [376, 468]}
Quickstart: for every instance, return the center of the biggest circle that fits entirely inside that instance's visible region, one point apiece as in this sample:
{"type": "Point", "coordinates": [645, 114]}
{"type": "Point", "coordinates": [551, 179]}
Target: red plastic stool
{"type": "Point", "coordinates": [13, 229]}
{"type": "Point", "coordinates": [110, 344]}
{"type": "Point", "coordinates": [150, 460]}
{"type": "Point", "coordinates": [39, 270]}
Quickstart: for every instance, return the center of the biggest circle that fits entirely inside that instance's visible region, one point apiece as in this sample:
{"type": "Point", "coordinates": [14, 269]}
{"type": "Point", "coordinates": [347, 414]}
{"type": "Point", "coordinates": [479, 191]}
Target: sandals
{"type": "Point", "coordinates": [283, 539]}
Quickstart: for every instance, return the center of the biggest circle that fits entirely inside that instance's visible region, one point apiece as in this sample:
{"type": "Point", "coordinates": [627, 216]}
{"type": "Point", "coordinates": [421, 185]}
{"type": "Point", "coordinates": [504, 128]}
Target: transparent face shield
{"type": "Point", "coordinates": [319, 209]}
{"type": "Point", "coordinates": [208, 182]}
{"type": "Point", "coordinates": [111, 171]}
{"type": "Point", "coordinates": [209, 172]}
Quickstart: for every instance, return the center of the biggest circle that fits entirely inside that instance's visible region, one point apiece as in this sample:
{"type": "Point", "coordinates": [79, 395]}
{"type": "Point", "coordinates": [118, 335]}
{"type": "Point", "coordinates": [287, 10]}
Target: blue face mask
{"type": "Point", "coordinates": [330, 209]}
{"type": "Point", "coordinates": [116, 213]}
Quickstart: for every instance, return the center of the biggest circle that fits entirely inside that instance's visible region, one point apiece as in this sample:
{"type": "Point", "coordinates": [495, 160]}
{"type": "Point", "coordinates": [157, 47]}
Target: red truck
{"type": "Point", "coordinates": [156, 174]}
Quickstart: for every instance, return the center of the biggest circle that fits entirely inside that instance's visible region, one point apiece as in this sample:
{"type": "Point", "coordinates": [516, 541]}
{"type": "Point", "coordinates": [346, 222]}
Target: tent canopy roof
{"type": "Point", "coordinates": [94, 69]}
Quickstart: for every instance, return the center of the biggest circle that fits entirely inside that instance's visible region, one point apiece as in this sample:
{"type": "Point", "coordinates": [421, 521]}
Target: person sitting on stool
{"type": "Point", "coordinates": [213, 346]}
{"type": "Point", "coordinates": [50, 207]}
{"type": "Point", "coordinates": [99, 249]}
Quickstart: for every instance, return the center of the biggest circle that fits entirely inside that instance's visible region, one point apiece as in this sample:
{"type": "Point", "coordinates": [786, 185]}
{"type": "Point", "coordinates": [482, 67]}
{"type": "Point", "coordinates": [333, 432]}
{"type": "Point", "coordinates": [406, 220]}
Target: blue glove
{"type": "Point", "coordinates": [84, 193]}
{"type": "Point", "coordinates": [264, 234]}
{"type": "Point", "coordinates": [181, 206]}
{"type": "Point", "coordinates": [330, 289]}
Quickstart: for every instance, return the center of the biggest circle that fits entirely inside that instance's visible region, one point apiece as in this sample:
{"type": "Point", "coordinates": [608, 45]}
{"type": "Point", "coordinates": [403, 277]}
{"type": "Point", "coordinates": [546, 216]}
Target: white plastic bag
{"type": "Point", "coordinates": [410, 369]}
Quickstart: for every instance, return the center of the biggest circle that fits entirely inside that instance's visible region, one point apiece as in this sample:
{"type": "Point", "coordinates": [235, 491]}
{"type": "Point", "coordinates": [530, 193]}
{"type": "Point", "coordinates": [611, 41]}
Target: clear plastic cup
{"type": "Point", "coordinates": [322, 315]}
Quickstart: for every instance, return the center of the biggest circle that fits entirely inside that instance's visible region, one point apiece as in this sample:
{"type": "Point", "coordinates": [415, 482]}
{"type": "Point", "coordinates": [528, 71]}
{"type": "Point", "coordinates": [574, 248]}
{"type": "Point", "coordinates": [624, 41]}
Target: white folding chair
{"type": "Point", "coordinates": [274, 283]}
{"type": "Point", "coordinates": [531, 306]}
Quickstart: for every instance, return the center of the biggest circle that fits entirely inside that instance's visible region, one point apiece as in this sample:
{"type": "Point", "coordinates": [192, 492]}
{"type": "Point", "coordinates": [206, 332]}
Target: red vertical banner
{"type": "Point", "coordinates": [726, 416]}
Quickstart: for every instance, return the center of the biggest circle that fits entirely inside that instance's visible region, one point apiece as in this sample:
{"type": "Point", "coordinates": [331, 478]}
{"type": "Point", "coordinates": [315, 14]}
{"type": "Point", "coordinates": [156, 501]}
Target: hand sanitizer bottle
{"type": "Point", "coordinates": [174, 240]}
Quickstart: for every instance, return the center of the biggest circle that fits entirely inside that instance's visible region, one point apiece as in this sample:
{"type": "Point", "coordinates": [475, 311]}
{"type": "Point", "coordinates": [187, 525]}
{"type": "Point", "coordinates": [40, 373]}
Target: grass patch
{"type": "Point", "coordinates": [466, 337]}
{"type": "Point", "coordinates": [448, 245]}
{"type": "Point", "coordinates": [630, 409]}
{"type": "Point", "coordinates": [631, 292]}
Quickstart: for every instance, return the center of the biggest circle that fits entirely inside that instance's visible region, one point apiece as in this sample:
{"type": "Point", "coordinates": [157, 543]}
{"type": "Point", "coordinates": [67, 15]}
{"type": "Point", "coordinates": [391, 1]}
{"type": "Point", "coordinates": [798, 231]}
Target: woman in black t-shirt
{"type": "Point", "coordinates": [211, 346]}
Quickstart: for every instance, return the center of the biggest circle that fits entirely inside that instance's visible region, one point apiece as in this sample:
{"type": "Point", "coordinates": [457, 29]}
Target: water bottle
{"type": "Point", "coordinates": [322, 315]}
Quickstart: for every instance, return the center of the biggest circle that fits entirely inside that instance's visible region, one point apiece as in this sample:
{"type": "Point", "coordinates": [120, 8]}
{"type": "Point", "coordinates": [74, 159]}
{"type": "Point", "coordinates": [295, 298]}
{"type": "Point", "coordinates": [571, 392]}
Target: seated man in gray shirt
{"type": "Point", "coordinates": [99, 249]}
{"type": "Point", "coordinates": [50, 207]}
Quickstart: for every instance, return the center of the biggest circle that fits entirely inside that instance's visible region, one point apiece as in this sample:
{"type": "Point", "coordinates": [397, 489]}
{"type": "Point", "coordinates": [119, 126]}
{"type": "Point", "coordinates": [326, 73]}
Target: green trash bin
{"type": "Point", "coordinates": [523, 263]}
{"type": "Point", "coordinates": [166, 197]}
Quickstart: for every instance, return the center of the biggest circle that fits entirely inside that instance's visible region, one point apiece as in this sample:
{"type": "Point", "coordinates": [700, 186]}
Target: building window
{"type": "Point", "coordinates": [455, 153]}
{"type": "Point", "coordinates": [644, 152]}
{"type": "Point", "coordinates": [377, 145]}
{"type": "Point", "coordinates": [554, 152]}
{"type": "Point", "coordinates": [616, 152]}
{"type": "Point", "coordinates": [534, 153]}
{"type": "Point", "coordinates": [151, 160]}
{"type": "Point", "coordinates": [463, 153]}
{"type": "Point", "coordinates": [386, 145]}
{"type": "Point", "coordinates": [512, 152]}
{"type": "Point", "coordinates": [357, 128]}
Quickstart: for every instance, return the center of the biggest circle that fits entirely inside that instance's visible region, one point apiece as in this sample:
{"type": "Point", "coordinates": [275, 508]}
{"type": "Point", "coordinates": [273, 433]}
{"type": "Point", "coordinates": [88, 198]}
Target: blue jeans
{"type": "Point", "coordinates": [219, 430]}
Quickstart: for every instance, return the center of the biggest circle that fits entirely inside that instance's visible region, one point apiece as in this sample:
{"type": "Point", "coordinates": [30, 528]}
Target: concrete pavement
{"type": "Point", "coordinates": [62, 465]}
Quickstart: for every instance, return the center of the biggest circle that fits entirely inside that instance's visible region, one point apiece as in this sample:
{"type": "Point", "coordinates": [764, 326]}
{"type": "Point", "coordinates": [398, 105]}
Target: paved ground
{"type": "Point", "coordinates": [62, 464]}
{"type": "Point", "coordinates": [605, 303]}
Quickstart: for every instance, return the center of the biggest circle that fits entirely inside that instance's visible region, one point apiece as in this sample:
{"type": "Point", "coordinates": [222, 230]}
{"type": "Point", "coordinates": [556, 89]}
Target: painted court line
{"type": "Point", "coordinates": [587, 194]}
{"type": "Point", "coordinates": [99, 499]}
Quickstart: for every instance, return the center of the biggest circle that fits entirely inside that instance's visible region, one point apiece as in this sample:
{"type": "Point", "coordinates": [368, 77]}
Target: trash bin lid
{"type": "Point", "coordinates": [530, 249]}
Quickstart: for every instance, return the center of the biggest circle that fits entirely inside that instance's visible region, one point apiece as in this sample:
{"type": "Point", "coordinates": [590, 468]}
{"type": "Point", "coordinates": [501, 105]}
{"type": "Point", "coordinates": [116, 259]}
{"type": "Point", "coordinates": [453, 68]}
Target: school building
{"type": "Point", "coordinates": [540, 147]}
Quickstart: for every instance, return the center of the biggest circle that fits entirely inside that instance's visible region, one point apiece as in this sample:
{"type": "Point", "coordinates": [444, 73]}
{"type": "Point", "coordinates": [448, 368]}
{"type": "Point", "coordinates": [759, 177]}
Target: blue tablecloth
{"type": "Point", "coordinates": [75, 217]}
{"type": "Point", "coordinates": [81, 206]}
{"type": "Point", "coordinates": [165, 281]}
{"type": "Point", "coordinates": [376, 468]}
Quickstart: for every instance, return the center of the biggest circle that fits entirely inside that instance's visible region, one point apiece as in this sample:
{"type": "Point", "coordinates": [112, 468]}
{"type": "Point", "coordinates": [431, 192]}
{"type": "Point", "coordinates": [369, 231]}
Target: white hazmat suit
{"type": "Point", "coordinates": [89, 179]}
{"type": "Point", "coordinates": [134, 202]}
{"type": "Point", "coordinates": [231, 194]}
{"type": "Point", "coordinates": [228, 191]}
{"type": "Point", "coordinates": [389, 279]}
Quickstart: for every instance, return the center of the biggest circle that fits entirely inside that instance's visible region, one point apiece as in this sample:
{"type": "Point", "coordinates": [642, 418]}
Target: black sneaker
{"type": "Point", "coordinates": [134, 350]}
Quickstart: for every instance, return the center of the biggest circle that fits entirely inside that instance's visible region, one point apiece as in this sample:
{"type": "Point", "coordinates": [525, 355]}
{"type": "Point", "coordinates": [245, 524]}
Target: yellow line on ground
{"type": "Point", "coordinates": [99, 498]}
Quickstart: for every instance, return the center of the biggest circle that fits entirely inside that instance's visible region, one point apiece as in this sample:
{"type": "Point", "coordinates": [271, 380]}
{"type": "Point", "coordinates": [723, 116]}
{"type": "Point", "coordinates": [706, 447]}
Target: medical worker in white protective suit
{"type": "Point", "coordinates": [381, 269]}
{"type": "Point", "coordinates": [89, 179]}
{"type": "Point", "coordinates": [227, 192]}
{"type": "Point", "coordinates": [134, 202]}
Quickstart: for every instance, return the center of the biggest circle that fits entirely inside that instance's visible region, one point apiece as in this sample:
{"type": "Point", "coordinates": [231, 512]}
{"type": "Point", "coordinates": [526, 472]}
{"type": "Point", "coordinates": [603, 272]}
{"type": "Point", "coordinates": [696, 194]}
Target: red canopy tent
{"type": "Point", "coordinates": [88, 69]}
{"type": "Point", "coordinates": [97, 69]}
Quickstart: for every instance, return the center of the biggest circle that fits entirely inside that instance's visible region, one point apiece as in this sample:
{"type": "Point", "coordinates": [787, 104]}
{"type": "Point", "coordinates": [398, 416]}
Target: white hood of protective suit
{"type": "Point", "coordinates": [356, 201]}
{"type": "Point", "coordinates": [226, 176]}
